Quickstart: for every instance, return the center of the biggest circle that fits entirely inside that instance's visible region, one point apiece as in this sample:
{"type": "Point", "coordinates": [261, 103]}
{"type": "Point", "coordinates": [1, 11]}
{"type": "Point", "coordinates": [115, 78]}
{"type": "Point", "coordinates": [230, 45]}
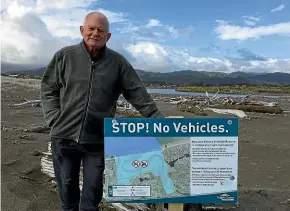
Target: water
{"type": "Point", "coordinates": [174, 92]}
{"type": "Point", "coordinates": [123, 146]}
{"type": "Point", "coordinates": [138, 149]}
{"type": "Point", "coordinates": [156, 165]}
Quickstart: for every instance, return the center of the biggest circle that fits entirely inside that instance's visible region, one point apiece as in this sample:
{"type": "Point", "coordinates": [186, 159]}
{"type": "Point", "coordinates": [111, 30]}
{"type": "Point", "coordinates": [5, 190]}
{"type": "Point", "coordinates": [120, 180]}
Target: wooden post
{"type": "Point", "coordinates": [177, 206]}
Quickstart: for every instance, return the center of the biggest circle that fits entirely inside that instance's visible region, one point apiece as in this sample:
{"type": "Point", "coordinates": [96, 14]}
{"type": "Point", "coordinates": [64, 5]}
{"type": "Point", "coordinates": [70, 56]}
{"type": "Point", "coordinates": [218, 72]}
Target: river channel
{"type": "Point", "coordinates": [174, 92]}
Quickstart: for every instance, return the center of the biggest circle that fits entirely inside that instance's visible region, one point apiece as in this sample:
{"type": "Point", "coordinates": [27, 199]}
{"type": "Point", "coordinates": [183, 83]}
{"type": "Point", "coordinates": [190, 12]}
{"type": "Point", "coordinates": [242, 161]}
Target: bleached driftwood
{"type": "Point", "coordinates": [208, 100]}
{"type": "Point", "coordinates": [123, 106]}
{"type": "Point", "coordinates": [235, 112]}
{"type": "Point", "coordinates": [226, 105]}
{"type": "Point", "coordinates": [191, 107]}
{"type": "Point", "coordinates": [37, 129]}
{"type": "Point", "coordinates": [33, 103]}
{"type": "Point", "coordinates": [260, 103]}
{"type": "Point", "coordinates": [47, 166]}
{"type": "Point", "coordinates": [175, 100]}
{"type": "Point", "coordinates": [251, 108]}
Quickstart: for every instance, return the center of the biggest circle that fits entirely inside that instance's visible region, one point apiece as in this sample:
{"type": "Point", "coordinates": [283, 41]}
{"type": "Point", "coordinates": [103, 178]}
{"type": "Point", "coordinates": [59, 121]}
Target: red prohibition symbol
{"type": "Point", "coordinates": [135, 163]}
{"type": "Point", "coordinates": [144, 163]}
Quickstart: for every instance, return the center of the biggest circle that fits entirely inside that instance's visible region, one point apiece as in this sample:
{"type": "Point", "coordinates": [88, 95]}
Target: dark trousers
{"type": "Point", "coordinates": [67, 156]}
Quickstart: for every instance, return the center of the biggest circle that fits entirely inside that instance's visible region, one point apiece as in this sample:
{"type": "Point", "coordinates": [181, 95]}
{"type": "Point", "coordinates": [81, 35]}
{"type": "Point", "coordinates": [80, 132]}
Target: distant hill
{"type": "Point", "coordinates": [190, 77]}
{"type": "Point", "coordinates": [9, 67]}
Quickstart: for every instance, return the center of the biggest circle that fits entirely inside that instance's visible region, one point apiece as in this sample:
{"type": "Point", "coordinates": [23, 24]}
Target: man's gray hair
{"type": "Point", "coordinates": [101, 15]}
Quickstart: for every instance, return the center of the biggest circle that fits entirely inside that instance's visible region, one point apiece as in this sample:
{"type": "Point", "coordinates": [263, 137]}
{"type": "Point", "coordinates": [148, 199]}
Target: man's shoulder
{"type": "Point", "coordinates": [64, 50]}
{"type": "Point", "coordinates": [118, 56]}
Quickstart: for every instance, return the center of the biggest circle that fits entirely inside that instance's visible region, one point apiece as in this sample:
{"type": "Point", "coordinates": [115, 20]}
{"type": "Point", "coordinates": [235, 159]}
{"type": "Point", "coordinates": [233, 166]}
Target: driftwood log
{"type": "Point", "coordinates": [191, 107]}
{"type": "Point", "coordinates": [251, 108]}
{"type": "Point", "coordinates": [37, 129]}
{"type": "Point", "coordinates": [229, 105]}
{"type": "Point", "coordinates": [238, 113]}
{"type": "Point", "coordinates": [32, 103]}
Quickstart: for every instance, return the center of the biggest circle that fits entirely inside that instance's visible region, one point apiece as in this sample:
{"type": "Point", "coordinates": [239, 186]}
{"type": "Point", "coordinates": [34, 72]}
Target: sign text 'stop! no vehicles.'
{"type": "Point", "coordinates": [171, 127]}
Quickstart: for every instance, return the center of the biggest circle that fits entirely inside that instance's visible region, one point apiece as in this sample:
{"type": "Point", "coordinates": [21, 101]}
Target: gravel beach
{"type": "Point", "coordinates": [264, 156]}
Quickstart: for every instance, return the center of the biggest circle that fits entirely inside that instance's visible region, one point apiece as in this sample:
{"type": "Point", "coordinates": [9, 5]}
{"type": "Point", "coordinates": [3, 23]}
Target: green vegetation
{"type": "Point", "coordinates": [243, 89]}
{"type": "Point", "coordinates": [234, 89]}
{"type": "Point", "coordinates": [36, 77]}
{"type": "Point", "coordinates": [32, 77]}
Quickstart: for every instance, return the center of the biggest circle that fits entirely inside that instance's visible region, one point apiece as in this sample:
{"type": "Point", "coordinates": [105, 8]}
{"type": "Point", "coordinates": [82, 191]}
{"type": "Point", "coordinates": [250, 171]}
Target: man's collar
{"type": "Point", "coordinates": [100, 53]}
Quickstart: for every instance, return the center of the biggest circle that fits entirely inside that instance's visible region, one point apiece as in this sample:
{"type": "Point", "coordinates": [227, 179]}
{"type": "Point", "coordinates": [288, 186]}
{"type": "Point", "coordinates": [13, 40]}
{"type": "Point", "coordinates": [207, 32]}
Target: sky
{"type": "Point", "coordinates": [156, 35]}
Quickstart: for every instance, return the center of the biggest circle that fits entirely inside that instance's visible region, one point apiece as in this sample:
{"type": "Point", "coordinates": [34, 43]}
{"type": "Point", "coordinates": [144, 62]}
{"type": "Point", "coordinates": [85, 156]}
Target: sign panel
{"type": "Point", "coordinates": [171, 160]}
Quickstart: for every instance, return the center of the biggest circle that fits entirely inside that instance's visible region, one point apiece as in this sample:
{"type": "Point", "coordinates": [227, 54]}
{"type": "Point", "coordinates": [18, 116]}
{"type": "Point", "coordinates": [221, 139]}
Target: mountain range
{"type": "Point", "coordinates": [190, 77]}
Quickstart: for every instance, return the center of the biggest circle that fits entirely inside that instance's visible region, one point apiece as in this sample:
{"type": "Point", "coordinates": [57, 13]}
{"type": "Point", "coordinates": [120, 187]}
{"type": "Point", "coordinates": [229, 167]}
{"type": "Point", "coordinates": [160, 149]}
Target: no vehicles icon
{"type": "Point", "coordinates": [144, 163]}
{"type": "Point", "coordinates": [135, 163]}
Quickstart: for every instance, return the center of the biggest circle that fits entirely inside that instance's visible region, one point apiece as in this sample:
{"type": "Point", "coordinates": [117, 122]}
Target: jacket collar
{"type": "Point", "coordinates": [100, 54]}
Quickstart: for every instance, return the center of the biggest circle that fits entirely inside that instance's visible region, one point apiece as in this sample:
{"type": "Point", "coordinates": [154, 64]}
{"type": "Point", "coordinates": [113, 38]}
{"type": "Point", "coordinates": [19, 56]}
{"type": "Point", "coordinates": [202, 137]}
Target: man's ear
{"type": "Point", "coordinates": [81, 29]}
{"type": "Point", "coordinates": [108, 36]}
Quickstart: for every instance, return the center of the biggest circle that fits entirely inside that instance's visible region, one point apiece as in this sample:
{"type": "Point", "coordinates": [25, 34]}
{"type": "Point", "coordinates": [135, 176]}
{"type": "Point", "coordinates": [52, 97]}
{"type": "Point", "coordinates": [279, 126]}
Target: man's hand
{"type": "Point", "coordinates": [50, 92]}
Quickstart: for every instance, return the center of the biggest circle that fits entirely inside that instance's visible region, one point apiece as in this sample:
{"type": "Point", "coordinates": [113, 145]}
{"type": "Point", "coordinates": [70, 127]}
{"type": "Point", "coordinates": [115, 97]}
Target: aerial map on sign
{"type": "Point", "coordinates": [147, 167]}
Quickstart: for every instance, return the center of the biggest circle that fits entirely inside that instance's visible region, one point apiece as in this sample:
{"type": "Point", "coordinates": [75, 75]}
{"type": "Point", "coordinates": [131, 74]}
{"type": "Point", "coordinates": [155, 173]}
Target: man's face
{"type": "Point", "coordinates": [95, 32]}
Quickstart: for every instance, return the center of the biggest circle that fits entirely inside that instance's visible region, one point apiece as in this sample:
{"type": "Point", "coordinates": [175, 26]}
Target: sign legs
{"type": "Point", "coordinates": [175, 207]}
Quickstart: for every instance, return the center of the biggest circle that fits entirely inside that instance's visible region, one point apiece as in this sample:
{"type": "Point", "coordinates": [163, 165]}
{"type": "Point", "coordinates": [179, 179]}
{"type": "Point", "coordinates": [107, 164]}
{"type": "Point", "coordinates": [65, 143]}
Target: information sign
{"type": "Point", "coordinates": [171, 160]}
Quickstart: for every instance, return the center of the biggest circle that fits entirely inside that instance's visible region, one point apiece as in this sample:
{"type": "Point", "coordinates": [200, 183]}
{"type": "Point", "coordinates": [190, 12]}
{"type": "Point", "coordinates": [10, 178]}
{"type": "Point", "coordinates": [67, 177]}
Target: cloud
{"type": "Point", "coordinates": [251, 20]}
{"type": "Point", "coordinates": [153, 22]}
{"type": "Point", "coordinates": [269, 65]}
{"type": "Point", "coordinates": [154, 30]}
{"type": "Point", "coordinates": [279, 8]}
{"type": "Point", "coordinates": [226, 31]}
{"type": "Point", "coordinates": [250, 23]}
{"type": "Point", "coordinates": [211, 48]}
{"type": "Point", "coordinates": [72, 22]}
{"type": "Point", "coordinates": [26, 40]}
{"type": "Point", "coordinates": [32, 31]}
{"type": "Point", "coordinates": [248, 55]}
{"type": "Point", "coordinates": [114, 17]}
{"type": "Point", "coordinates": [156, 57]}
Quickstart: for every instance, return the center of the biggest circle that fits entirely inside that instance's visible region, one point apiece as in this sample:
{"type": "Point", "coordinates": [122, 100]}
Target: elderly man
{"type": "Point", "coordinates": [80, 88]}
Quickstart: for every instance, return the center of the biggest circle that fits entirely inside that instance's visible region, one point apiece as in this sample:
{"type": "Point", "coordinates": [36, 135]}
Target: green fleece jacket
{"type": "Point", "coordinates": [78, 92]}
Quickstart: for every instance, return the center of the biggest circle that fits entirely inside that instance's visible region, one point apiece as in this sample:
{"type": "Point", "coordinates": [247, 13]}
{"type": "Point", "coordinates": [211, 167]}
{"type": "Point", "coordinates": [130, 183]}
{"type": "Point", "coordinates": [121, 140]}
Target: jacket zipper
{"type": "Point", "coordinates": [88, 100]}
